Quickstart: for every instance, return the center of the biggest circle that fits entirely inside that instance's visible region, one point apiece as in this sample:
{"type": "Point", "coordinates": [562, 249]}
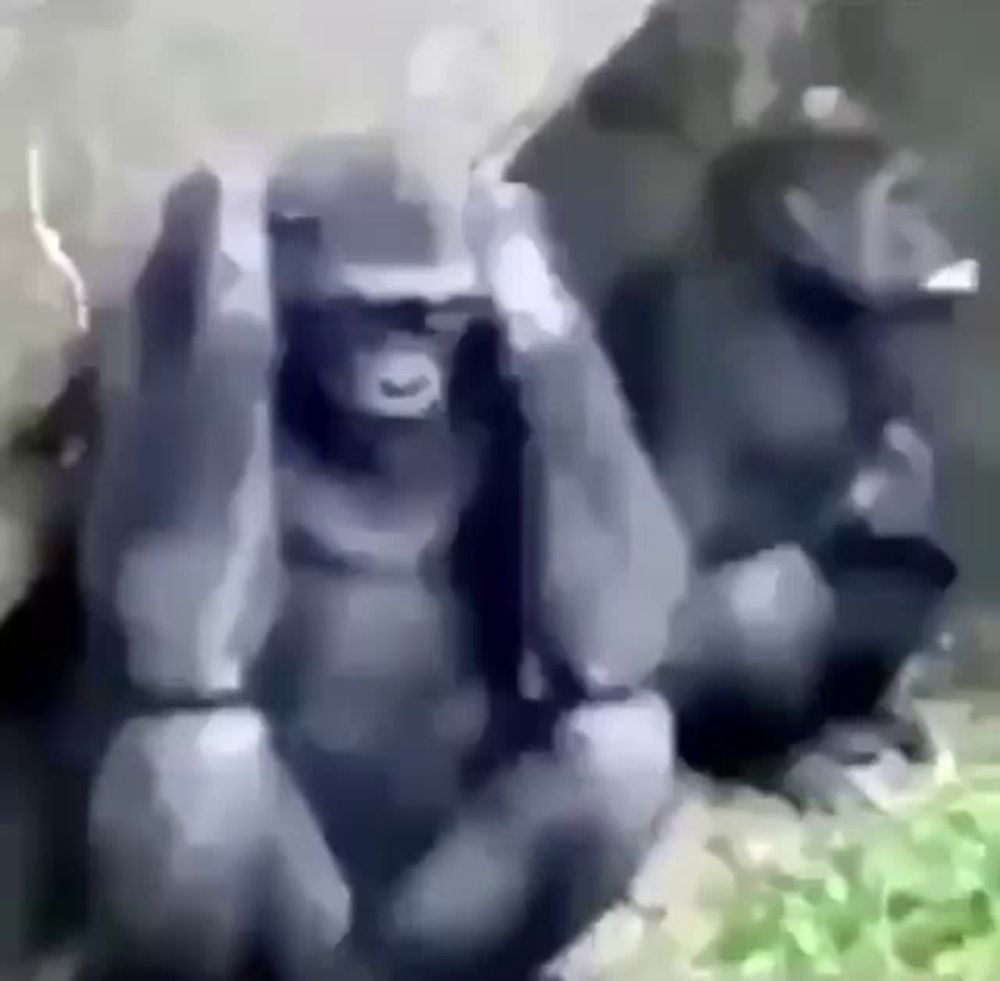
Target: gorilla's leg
{"type": "Point", "coordinates": [884, 618]}
{"type": "Point", "coordinates": [883, 615]}
{"type": "Point", "coordinates": [549, 845]}
{"type": "Point", "coordinates": [745, 664]}
{"type": "Point", "coordinates": [200, 842]}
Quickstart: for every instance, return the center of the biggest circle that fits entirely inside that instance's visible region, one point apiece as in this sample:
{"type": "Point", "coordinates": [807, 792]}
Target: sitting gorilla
{"type": "Point", "coordinates": [320, 543]}
{"type": "Point", "coordinates": [786, 386]}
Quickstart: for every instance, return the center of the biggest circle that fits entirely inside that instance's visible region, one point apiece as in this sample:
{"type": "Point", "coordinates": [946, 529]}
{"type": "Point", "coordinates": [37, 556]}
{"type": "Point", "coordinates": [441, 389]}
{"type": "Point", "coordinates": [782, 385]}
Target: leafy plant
{"type": "Point", "coordinates": [916, 895]}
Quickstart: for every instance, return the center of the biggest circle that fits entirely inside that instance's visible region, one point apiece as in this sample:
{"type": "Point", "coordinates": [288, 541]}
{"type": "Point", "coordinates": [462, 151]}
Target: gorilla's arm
{"type": "Point", "coordinates": [885, 531]}
{"type": "Point", "coordinates": [612, 560]}
{"type": "Point", "coordinates": [180, 566]}
{"type": "Point", "coordinates": [178, 551]}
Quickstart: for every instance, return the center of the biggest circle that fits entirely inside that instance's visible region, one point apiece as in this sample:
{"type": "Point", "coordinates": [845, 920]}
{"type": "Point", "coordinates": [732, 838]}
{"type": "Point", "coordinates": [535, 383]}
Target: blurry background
{"type": "Point", "coordinates": [122, 96]}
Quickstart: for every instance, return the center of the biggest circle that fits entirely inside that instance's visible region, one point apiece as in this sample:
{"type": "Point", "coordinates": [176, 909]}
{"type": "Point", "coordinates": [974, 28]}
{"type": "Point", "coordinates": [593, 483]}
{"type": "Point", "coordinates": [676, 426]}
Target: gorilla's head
{"type": "Point", "coordinates": [834, 199]}
{"type": "Point", "coordinates": [372, 278]}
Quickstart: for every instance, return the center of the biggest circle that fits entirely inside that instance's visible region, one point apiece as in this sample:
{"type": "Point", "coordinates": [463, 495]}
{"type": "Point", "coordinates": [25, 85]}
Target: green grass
{"type": "Point", "coordinates": [912, 895]}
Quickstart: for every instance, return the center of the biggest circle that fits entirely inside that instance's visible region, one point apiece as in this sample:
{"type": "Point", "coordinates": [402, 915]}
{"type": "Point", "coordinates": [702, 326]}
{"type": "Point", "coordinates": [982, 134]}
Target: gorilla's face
{"type": "Point", "coordinates": [862, 215]}
{"type": "Point", "coordinates": [849, 208]}
{"type": "Point", "coordinates": [389, 359]}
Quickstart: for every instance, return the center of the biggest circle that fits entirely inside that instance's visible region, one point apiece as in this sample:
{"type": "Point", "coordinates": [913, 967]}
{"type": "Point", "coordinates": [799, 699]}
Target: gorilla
{"type": "Point", "coordinates": [786, 382]}
{"type": "Point", "coordinates": [356, 480]}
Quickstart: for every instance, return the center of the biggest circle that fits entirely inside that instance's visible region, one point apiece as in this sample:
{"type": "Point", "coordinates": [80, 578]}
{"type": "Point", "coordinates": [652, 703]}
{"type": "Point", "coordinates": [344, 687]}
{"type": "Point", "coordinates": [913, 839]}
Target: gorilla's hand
{"type": "Point", "coordinates": [505, 229]}
{"type": "Point", "coordinates": [894, 495]}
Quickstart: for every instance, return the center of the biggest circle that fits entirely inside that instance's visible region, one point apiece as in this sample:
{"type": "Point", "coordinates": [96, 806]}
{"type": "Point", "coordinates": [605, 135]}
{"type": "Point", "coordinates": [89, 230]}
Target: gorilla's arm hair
{"type": "Point", "coordinates": [182, 577]}
{"type": "Point", "coordinates": [612, 560]}
{"type": "Point", "coordinates": [176, 546]}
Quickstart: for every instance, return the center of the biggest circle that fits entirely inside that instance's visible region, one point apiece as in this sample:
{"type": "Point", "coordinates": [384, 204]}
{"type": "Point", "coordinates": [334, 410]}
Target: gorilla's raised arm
{"type": "Point", "coordinates": [610, 559]}
{"type": "Point", "coordinates": [191, 807]}
{"type": "Point", "coordinates": [178, 562]}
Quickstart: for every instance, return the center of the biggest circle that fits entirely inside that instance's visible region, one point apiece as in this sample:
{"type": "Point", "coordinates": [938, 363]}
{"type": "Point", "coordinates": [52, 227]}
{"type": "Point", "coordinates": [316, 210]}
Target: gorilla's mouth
{"type": "Point", "coordinates": [410, 388]}
{"type": "Point", "coordinates": [403, 385]}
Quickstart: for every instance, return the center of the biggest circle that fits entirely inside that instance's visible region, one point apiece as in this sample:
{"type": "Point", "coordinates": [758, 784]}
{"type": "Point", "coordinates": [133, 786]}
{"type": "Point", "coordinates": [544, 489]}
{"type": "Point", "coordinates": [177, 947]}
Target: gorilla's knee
{"type": "Point", "coordinates": [756, 625]}
{"type": "Point", "coordinates": [550, 846]}
{"type": "Point", "coordinates": [747, 658]}
{"type": "Point", "coordinates": [623, 753]}
{"type": "Point", "coordinates": [778, 603]}
{"type": "Point", "coordinates": [176, 826]}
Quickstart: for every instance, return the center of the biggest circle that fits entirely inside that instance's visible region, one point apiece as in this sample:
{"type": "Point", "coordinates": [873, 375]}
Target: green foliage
{"type": "Point", "coordinates": [916, 895]}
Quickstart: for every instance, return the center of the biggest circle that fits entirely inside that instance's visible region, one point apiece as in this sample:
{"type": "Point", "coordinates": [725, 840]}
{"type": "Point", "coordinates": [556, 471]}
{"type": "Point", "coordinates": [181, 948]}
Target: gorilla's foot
{"type": "Point", "coordinates": [818, 780]}
{"type": "Point", "coordinates": [873, 763]}
{"type": "Point", "coordinates": [863, 741]}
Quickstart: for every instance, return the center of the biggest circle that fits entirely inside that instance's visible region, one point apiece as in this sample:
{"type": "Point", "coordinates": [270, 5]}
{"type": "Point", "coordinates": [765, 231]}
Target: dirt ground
{"type": "Point", "coordinates": [671, 912]}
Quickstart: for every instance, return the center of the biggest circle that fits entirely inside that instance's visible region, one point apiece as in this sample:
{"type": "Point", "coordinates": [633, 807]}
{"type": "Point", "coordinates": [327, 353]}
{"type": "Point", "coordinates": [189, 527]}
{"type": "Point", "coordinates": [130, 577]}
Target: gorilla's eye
{"type": "Point", "coordinates": [445, 321]}
{"type": "Point", "coordinates": [454, 317]}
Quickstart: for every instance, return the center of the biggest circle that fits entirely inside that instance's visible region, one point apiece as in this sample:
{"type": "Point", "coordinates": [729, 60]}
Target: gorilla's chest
{"type": "Point", "coordinates": [372, 630]}
{"type": "Point", "coordinates": [355, 525]}
{"type": "Point", "coordinates": [764, 430]}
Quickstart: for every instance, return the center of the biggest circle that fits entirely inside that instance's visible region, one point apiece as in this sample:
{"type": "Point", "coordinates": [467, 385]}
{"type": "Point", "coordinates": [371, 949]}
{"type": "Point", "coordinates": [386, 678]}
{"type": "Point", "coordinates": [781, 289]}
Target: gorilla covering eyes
{"type": "Point", "coordinates": [789, 385]}
{"type": "Point", "coordinates": [361, 478]}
